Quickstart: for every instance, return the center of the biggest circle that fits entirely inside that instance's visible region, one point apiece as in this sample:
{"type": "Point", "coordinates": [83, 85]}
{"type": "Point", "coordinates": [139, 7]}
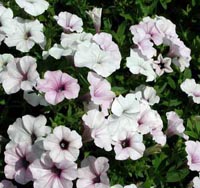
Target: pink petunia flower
{"type": "Point", "coordinates": [100, 91]}
{"type": "Point", "coordinates": [20, 74]}
{"type": "Point", "coordinates": [63, 144]}
{"type": "Point", "coordinates": [193, 155]}
{"type": "Point", "coordinates": [47, 173]}
{"type": "Point", "coordinates": [93, 173]}
{"type": "Point", "coordinates": [58, 85]}
{"type": "Point", "coordinates": [69, 22]}
{"type": "Point", "coordinates": [18, 159]}
{"type": "Point", "coordinates": [175, 125]}
{"type": "Point", "coordinates": [6, 184]}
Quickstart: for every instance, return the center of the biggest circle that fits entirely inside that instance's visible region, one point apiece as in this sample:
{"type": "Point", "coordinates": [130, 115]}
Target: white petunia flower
{"type": "Point", "coordinates": [33, 7]}
{"type": "Point", "coordinates": [192, 89]}
{"type": "Point", "coordinates": [138, 65]}
{"type": "Point", "coordinates": [27, 33]}
{"type": "Point", "coordinates": [69, 22]}
{"type": "Point", "coordinates": [91, 56]}
{"type": "Point", "coordinates": [4, 59]}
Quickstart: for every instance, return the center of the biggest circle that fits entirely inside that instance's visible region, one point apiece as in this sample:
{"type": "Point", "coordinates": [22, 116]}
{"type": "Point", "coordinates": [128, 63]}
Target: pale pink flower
{"type": "Point", "coordinates": [192, 89]}
{"type": "Point", "coordinates": [63, 144]}
{"type": "Point", "coordinates": [175, 125]}
{"type": "Point", "coordinates": [193, 155]}
{"type": "Point", "coordinates": [6, 184]}
{"type": "Point", "coordinates": [69, 22]}
{"type": "Point", "coordinates": [126, 186]}
{"type": "Point", "coordinates": [100, 91]}
{"type": "Point", "coordinates": [196, 182]}
{"type": "Point", "coordinates": [33, 7]}
{"type": "Point", "coordinates": [20, 74]}
{"type": "Point", "coordinates": [158, 136]}
{"type": "Point", "coordinates": [47, 173]}
{"type": "Point", "coordinates": [58, 85]}
{"type": "Point", "coordinates": [93, 173]}
{"type": "Point", "coordinates": [18, 159]}
{"type": "Point", "coordinates": [95, 15]}
{"type": "Point", "coordinates": [98, 129]}
{"type": "Point", "coordinates": [29, 129]}
{"type": "Point", "coordinates": [129, 145]}
{"type": "Point", "coordinates": [162, 65]}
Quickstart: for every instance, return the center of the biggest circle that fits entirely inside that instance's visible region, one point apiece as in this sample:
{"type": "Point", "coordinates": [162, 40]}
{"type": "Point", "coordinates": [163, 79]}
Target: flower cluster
{"type": "Point", "coordinates": [125, 124]}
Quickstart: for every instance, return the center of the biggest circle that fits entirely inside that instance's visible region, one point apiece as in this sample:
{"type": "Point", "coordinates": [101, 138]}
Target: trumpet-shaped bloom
{"type": "Point", "coordinates": [95, 15]}
{"type": "Point", "coordinates": [4, 60]}
{"type": "Point", "coordinates": [129, 145]}
{"type": "Point", "coordinates": [63, 144]}
{"type": "Point", "coordinates": [127, 186]}
{"type": "Point", "coordinates": [192, 89]}
{"type": "Point", "coordinates": [58, 85]}
{"type": "Point", "coordinates": [20, 74]}
{"type": "Point", "coordinates": [6, 184]}
{"type": "Point", "coordinates": [69, 22]}
{"type": "Point", "coordinates": [93, 173]}
{"type": "Point", "coordinates": [91, 56]}
{"type": "Point", "coordinates": [196, 182]}
{"type": "Point", "coordinates": [98, 126]}
{"type": "Point", "coordinates": [33, 7]}
{"type": "Point", "coordinates": [175, 125]}
{"type": "Point", "coordinates": [27, 33]}
{"type": "Point", "coordinates": [138, 65]}
{"type": "Point", "coordinates": [29, 129]}
{"type": "Point", "coordinates": [47, 173]}
{"type": "Point", "coordinates": [18, 160]}
{"type": "Point", "coordinates": [193, 155]}
{"type": "Point", "coordinates": [100, 91]}
{"type": "Point", "coordinates": [162, 65]}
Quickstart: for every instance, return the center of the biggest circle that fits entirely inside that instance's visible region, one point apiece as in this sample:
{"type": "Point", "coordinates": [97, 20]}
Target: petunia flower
{"type": "Point", "coordinates": [129, 145]}
{"type": "Point", "coordinates": [95, 15]}
{"type": "Point", "coordinates": [192, 89]}
{"type": "Point", "coordinates": [18, 159]}
{"type": "Point", "coordinates": [91, 56]}
{"type": "Point", "coordinates": [47, 173]}
{"type": "Point", "coordinates": [6, 184]}
{"type": "Point", "coordinates": [58, 85]}
{"type": "Point", "coordinates": [20, 74]}
{"type": "Point", "coordinates": [196, 182]}
{"type": "Point", "coordinates": [138, 65]}
{"type": "Point", "coordinates": [126, 186]}
{"type": "Point", "coordinates": [193, 155]}
{"type": "Point", "coordinates": [69, 22]}
{"type": "Point", "coordinates": [175, 125]}
{"type": "Point", "coordinates": [33, 7]}
{"type": "Point", "coordinates": [98, 129]}
{"type": "Point", "coordinates": [162, 65]}
{"type": "Point", "coordinates": [100, 91]}
{"type": "Point", "coordinates": [93, 173]}
{"type": "Point", "coordinates": [5, 59]}
{"type": "Point", "coordinates": [29, 129]}
{"type": "Point", "coordinates": [63, 144]}
{"type": "Point", "coordinates": [27, 33]}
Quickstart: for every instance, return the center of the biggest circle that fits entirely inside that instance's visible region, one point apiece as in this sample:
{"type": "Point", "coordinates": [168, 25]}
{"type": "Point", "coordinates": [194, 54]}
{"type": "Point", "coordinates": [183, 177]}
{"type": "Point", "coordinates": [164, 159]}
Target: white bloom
{"type": "Point", "coordinates": [27, 33]}
{"type": "Point", "coordinates": [192, 89]}
{"type": "Point", "coordinates": [95, 15]}
{"type": "Point", "coordinates": [69, 22]}
{"type": "Point", "coordinates": [33, 7]}
{"type": "Point", "coordinates": [4, 59]}
{"type": "Point", "coordinates": [127, 186]}
{"type": "Point", "coordinates": [29, 129]}
{"type": "Point", "coordinates": [138, 65]}
{"type": "Point", "coordinates": [20, 74]}
{"type": "Point", "coordinates": [196, 182]}
{"type": "Point", "coordinates": [98, 125]}
{"type": "Point", "coordinates": [91, 56]}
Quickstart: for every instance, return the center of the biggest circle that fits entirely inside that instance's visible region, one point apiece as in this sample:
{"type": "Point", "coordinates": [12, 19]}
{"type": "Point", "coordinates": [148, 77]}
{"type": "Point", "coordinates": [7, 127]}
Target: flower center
{"type": "Point", "coordinates": [96, 180]}
{"type": "Point", "coordinates": [33, 137]}
{"type": "Point", "coordinates": [56, 171]}
{"type": "Point", "coordinates": [25, 163]}
{"type": "Point", "coordinates": [125, 143]}
{"type": "Point", "coordinates": [162, 65]}
{"type": "Point", "coordinates": [61, 88]}
{"type": "Point", "coordinates": [64, 144]}
{"type": "Point", "coordinates": [27, 35]}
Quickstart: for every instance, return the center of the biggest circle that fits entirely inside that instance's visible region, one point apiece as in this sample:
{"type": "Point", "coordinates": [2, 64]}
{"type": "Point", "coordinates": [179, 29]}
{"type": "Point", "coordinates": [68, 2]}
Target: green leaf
{"type": "Point", "coordinates": [171, 83]}
{"type": "Point", "coordinates": [177, 175]}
